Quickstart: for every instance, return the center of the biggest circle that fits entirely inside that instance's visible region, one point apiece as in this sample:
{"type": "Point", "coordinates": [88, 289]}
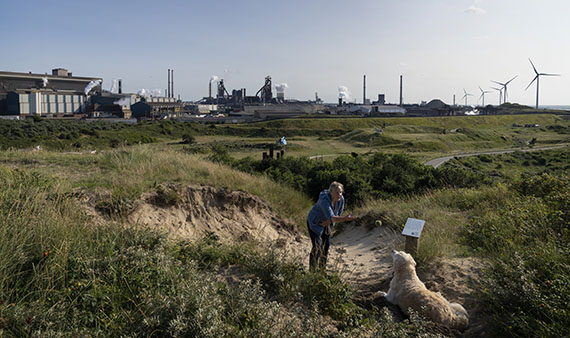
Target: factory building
{"type": "Point", "coordinates": [157, 108]}
{"type": "Point", "coordinates": [58, 94]}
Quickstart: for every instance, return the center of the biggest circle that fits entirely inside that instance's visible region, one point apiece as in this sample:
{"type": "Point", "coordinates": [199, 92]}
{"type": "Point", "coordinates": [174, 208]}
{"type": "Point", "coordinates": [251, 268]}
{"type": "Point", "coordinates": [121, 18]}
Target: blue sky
{"type": "Point", "coordinates": [440, 47]}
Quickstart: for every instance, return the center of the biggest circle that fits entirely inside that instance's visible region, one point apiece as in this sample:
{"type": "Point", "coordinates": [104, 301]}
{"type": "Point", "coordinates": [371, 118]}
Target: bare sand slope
{"type": "Point", "coordinates": [360, 251]}
{"type": "Point", "coordinates": [190, 212]}
{"type": "Point", "coordinates": [362, 254]}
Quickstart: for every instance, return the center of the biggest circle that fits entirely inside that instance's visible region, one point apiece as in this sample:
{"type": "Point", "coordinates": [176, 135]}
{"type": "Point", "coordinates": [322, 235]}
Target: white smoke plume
{"type": "Point", "coordinates": [214, 78]}
{"type": "Point", "coordinates": [475, 10]}
{"type": "Point", "coordinates": [343, 93]}
{"type": "Point", "coordinates": [123, 102]}
{"type": "Point", "coordinates": [45, 81]}
{"type": "Point", "coordinates": [280, 87]}
{"type": "Point", "coordinates": [114, 87]}
{"type": "Point", "coordinates": [92, 85]}
{"type": "Point", "coordinates": [149, 92]}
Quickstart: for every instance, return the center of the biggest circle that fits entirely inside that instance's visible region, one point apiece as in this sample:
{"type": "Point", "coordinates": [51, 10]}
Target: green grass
{"type": "Point", "coordinates": [527, 290]}
{"type": "Point", "coordinates": [126, 173]}
{"type": "Point", "coordinates": [510, 166]}
{"type": "Point", "coordinates": [62, 275]}
{"type": "Point", "coordinates": [449, 122]}
{"type": "Point", "coordinates": [445, 211]}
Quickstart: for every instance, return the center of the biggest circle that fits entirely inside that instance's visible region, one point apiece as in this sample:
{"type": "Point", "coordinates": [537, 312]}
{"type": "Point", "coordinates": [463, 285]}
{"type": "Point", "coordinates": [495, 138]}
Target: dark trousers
{"type": "Point", "coordinates": [320, 249]}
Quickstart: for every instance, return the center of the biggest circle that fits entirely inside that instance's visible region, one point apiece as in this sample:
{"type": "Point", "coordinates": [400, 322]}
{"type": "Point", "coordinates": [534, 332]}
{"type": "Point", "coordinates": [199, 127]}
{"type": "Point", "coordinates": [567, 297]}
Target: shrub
{"type": "Point", "coordinates": [219, 154]}
{"type": "Point", "coordinates": [528, 288]}
{"type": "Point", "coordinates": [188, 139]}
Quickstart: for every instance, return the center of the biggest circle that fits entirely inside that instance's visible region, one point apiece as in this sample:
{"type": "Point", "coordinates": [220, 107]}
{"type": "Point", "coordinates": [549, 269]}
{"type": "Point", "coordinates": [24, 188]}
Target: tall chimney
{"type": "Point", "coordinates": [168, 90]}
{"type": "Point", "coordinates": [401, 97]}
{"type": "Point", "coordinates": [172, 85]}
{"type": "Point", "coordinates": [364, 91]}
{"type": "Point", "coordinates": [120, 86]}
{"type": "Point", "coordinates": [210, 89]}
{"type": "Point", "coordinates": [454, 99]}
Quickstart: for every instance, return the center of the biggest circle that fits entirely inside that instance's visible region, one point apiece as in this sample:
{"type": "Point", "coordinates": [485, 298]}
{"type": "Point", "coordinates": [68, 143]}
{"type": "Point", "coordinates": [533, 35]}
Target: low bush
{"type": "Point", "coordinates": [527, 291]}
{"type": "Point", "coordinates": [62, 276]}
{"type": "Point", "coordinates": [380, 175]}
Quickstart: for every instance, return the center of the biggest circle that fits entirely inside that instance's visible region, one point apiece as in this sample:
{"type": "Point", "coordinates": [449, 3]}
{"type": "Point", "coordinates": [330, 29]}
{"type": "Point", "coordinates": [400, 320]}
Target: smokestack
{"type": "Point", "coordinates": [120, 86]}
{"type": "Point", "coordinates": [168, 90]}
{"type": "Point", "coordinates": [454, 99]}
{"type": "Point", "coordinates": [364, 91]}
{"type": "Point", "coordinates": [172, 83]}
{"type": "Point", "coordinates": [401, 97]}
{"type": "Point", "coordinates": [340, 101]}
{"type": "Point", "coordinates": [210, 89]}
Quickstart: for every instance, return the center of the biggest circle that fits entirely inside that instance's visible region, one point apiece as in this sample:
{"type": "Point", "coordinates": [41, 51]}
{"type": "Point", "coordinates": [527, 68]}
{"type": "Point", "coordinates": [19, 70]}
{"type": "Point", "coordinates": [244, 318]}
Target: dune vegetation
{"type": "Point", "coordinates": [66, 272]}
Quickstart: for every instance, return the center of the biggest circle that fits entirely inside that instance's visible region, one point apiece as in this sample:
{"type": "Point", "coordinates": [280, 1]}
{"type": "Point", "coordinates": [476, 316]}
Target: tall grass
{"type": "Point", "coordinates": [60, 275]}
{"type": "Point", "coordinates": [527, 291]}
{"type": "Point", "coordinates": [446, 212]}
{"type": "Point", "coordinates": [125, 173]}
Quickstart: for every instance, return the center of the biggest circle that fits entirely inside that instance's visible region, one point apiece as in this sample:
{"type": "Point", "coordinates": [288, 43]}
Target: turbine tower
{"type": "Point", "coordinates": [537, 77]}
{"type": "Point", "coordinates": [500, 90]}
{"type": "Point", "coordinates": [505, 87]}
{"type": "Point", "coordinates": [483, 92]}
{"type": "Point", "coordinates": [465, 96]}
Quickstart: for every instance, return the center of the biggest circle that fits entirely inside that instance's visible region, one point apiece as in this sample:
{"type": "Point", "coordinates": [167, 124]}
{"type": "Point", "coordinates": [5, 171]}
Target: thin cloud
{"type": "Point", "coordinates": [475, 10]}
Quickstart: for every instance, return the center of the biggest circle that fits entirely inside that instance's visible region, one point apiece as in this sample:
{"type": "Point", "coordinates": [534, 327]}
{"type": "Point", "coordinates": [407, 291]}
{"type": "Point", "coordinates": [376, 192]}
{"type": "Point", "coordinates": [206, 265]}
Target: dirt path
{"type": "Point", "coordinates": [441, 160]}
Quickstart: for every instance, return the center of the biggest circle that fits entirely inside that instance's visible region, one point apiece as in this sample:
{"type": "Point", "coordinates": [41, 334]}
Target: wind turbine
{"type": "Point", "coordinates": [500, 93]}
{"type": "Point", "coordinates": [505, 87]}
{"type": "Point", "coordinates": [465, 96]}
{"type": "Point", "coordinates": [537, 77]}
{"type": "Point", "coordinates": [483, 92]}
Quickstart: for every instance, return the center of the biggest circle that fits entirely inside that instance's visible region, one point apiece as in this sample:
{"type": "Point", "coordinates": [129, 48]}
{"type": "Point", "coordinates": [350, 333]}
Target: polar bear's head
{"type": "Point", "coordinates": [403, 260]}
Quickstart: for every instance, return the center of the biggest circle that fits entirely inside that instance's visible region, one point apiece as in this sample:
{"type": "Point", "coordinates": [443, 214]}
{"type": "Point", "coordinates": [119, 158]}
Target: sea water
{"type": "Point", "coordinates": [557, 107]}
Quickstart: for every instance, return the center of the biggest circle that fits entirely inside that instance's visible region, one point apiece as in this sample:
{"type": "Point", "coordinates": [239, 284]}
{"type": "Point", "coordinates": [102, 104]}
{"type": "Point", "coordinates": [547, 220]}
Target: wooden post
{"type": "Point", "coordinates": [412, 231]}
{"type": "Point", "coordinates": [412, 245]}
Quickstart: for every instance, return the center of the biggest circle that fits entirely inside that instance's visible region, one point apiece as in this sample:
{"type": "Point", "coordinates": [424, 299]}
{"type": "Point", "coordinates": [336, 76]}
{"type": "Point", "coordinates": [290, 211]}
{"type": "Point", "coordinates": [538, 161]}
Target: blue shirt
{"type": "Point", "coordinates": [323, 210]}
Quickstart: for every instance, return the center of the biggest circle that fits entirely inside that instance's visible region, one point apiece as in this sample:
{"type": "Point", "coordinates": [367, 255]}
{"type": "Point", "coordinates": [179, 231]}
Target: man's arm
{"type": "Point", "coordinates": [338, 219]}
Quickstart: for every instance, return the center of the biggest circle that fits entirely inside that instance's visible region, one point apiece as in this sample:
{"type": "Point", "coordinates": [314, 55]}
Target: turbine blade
{"type": "Point", "coordinates": [536, 77]}
{"type": "Point", "coordinates": [502, 84]}
{"type": "Point", "coordinates": [547, 74]}
{"type": "Point", "coordinates": [511, 80]}
{"type": "Point", "coordinates": [533, 67]}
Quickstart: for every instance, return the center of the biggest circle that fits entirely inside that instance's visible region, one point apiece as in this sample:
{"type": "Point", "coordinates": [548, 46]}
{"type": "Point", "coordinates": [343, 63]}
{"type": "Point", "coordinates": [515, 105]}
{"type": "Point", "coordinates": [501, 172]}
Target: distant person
{"type": "Point", "coordinates": [322, 217]}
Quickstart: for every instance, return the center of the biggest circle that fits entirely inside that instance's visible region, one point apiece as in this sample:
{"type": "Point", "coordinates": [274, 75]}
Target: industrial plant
{"type": "Point", "coordinates": [63, 95]}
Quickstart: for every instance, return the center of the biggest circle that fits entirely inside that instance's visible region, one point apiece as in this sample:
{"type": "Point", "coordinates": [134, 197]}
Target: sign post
{"type": "Point", "coordinates": [412, 231]}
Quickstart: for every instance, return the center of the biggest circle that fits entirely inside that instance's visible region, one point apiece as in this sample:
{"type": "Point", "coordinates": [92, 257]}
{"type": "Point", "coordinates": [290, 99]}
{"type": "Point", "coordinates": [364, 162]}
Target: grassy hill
{"type": "Point", "coordinates": [64, 271]}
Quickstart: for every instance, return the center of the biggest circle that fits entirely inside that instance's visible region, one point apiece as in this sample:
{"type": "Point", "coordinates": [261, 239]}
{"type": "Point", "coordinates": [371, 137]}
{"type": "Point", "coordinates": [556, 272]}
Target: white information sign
{"type": "Point", "coordinates": [413, 227]}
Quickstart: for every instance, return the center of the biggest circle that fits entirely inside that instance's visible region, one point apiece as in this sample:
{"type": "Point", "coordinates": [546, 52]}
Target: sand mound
{"type": "Point", "coordinates": [190, 212]}
{"type": "Point", "coordinates": [360, 251]}
{"type": "Point", "coordinates": [362, 254]}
